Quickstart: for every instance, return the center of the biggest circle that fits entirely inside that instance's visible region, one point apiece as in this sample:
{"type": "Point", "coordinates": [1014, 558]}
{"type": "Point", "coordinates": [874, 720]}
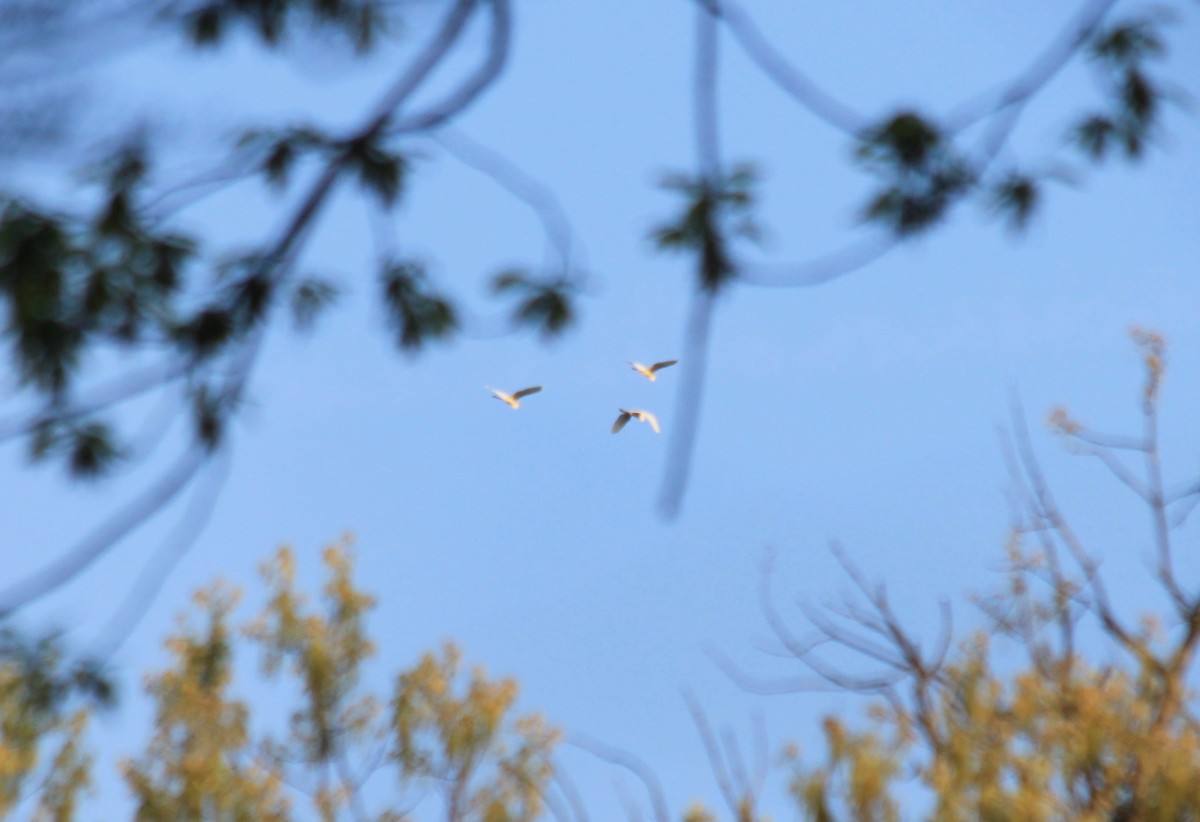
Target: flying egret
{"type": "Point", "coordinates": [648, 372]}
{"type": "Point", "coordinates": [640, 416]}
{"type": "Point", "coordinates": [513, 400]}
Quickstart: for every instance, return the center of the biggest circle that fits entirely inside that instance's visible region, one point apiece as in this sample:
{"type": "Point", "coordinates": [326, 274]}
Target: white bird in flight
{"type": "Point", "coordinates": [640, 416]}
{"type": "Point", "coordinates": [513, 400]}
{"type": "Point", "coordinates": [649, 372]}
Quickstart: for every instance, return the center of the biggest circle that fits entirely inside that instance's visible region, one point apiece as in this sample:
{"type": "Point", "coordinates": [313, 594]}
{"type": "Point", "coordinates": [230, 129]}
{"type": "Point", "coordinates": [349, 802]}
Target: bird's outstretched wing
{"type": "Point", "coordinates": [663, 364]}
{"type": "Point", "coordinates": [653, 420]}
{"type": "Point", "coordinates": [621, 420]}
{"type": "Point", "coordinates": [525, 392]}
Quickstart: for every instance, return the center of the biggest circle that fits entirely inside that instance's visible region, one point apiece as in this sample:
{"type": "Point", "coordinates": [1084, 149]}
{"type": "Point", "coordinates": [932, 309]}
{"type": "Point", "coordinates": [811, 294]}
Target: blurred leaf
{"type": "Point", "coordinates": [170, 253]}
{"type": "Point", "coordinates": [42, 679]}
{"type": "Point", "coordinates": [546, 306]}
{"type": "Point", "coordinates": [380, 172]}
{"type": "Point", "coordinates": [549, 310]}
{"type": "Point", "coordinates": [1016, 197]}
{"type": "Point", "coordinates": [509, 280]}
{"type": "Point", "coordinates": [919, 203]}
{"type": "Point", "coordinates": [1093, 135]}
{"type": "Point", "coordinates": [309, 298]}
{"type": "Point", "coordinates": [205, 26]}
{"type": "Point", "coordinates": [90, 448]}
{"type": "Point", "coordinates": [1138, 96]}
{"type": "Point", "coordinates": [1129, 41]}
{"type": "Point", "coordinates": [905, 140]}
{"type": "Point", "coordinates": [922, 174]}
{"type": "Point", "coordinates": [278, 163]}
{"type": "Point", "coordinates": [278, 151]}
{"type": "Point", "coordinates": [713, 212]}
{"type": "Point", "coordinates": [46, 434]}
{"type": "Point", "coordinates": [251, 296]}
{"type": "Point", "coordinates": [93, 450]}
{"type": "Point", "coordinates": [48, 353]}
{"type": "Point", "coordinates": [1133, 139]}
{"type": "Point", "coordinates": [417, 313]}
{"type": "Point", "coordinates": [209, 412]}
{"type": "Point", "coordinates": [206, 332]}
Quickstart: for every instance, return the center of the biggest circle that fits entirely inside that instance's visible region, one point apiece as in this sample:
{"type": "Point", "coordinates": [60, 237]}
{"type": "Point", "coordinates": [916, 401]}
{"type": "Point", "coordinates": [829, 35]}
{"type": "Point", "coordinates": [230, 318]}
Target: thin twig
{"type": "Point", "coordinates": [154, 573]}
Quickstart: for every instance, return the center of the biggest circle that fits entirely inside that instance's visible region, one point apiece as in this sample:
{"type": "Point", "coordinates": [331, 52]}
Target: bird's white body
{"type": "Point", "coordinates": [513, 400]}
{"type": "Point", "coordinates": [640, 416]}
{"type": "Point", "coordinates": [649, 371]}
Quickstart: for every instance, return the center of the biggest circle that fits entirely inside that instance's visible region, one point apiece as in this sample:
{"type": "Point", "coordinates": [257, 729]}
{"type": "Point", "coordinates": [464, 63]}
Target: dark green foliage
{"type": "Point", "coordinates": [380, 172]}
{"type": "Point", "coordinates": [205, 333]}
{"type": "Point", "coordinates": [546, 306]}
{"type": "Point", "coordinates": [205, 25]}
{"type": "Point", "coordinates": [277, 151]}
{"type": "Point", "coordinates": [1015, 198]}
{"type": "Point", "coordinates": [904, 141]}
{"type": "Point", "coordinates": [414, 311]}
{"type": "Point", "coordinates": [714, 211]}
{"type": "Point", "coordinates": [210, 410]}
{"type": "Point", "coordinates": [89, 447]}
{"type": "Point", "coordinates": [1119, 54]}
{"type": "Point", "coordinates": [1129, 42]}
{"type": "Point", "coordinates": [1093, 135]}
{"type": "Point", "coordinates": [360, 21]}
{"type": "Point", "coordinates": [237, 308]}
{"type": "Point", "coordinates": [93, 451]}
{"type": "Point", "coordinates": [71, 284]}
{"type": "Point", "coordinates": [250, 290]}
{"type": "Point", "coordinates": [309, 298]}
{"type": "Point", "coordinates": [922, 173]}
{"type": "Point", "coordinates": [47, 681]}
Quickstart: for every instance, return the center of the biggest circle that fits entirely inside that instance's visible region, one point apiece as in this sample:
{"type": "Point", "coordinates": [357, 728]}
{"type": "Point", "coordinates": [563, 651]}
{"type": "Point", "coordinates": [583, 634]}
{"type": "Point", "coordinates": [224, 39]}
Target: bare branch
{"type": "Point", "coordinates": [1158, 511]}
{"type": "Point", "coordinates": [534, 193]}
{"type": "Point", "coordinates": [819, 270]}
{"type": "Point", "coordinates": [1110, 461]}
{"type": "Point", "coordinates": [691, 384]}
{"type": "Point", "coordinates": [114, 392]}
{"type": "Point", "coordinates": [1038, 73]}
{"type": "Point", "coordinates": [194, 189]}
{"type": "Point", "coordinates": [770, 686]}
{"type": "Point", "coordinates": [153, 575]}
{"type": "Point", "coordinates": [69, 565]}
{"type": "Point", "coordinates": [568, 790]}
{"type": "Point", "coordinates": [1116, 441]}
{"type": "Point", "coordinates": [626, 760]}
{"type": "Point", "coordinates": [357, 805]}
{"type": "Point", "coordinates": [803, 650]}
{"type": "Point", "coordinates": [789, 78]}
{"type": "Point", "coordinates": [687, 406]}
{"type": "Point", "coordinates": [716, 761]}
{"type": "Point", "coordinates": [476, 84]}
{"type": "Point", "coordinates": [1046, 510]}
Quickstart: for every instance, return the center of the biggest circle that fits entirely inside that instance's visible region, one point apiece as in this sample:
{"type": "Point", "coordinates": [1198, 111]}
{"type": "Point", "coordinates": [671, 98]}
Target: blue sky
{"type": "Point", "coordinates": [863, 410]}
